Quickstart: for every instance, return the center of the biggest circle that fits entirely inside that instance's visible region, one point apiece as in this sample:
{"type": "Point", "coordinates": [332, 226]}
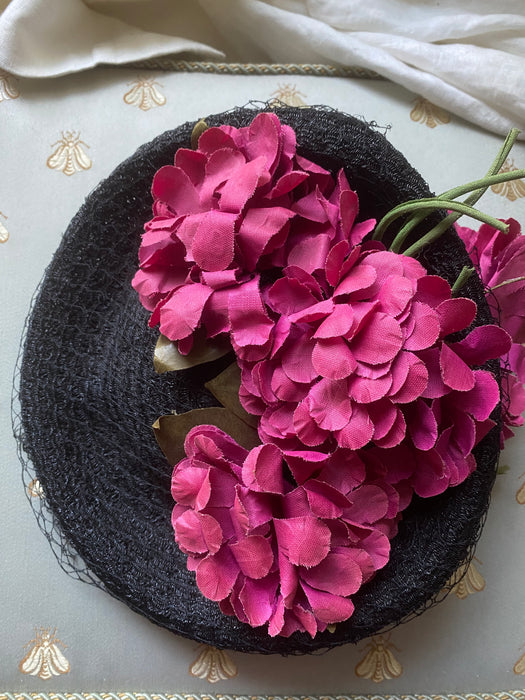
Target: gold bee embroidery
{"type": "Point", "coordinates": [4, 233]}
{"type": "Point", "coordinates": [213, 665]}
{"type": "Point", "coordinates": [427, 113]}
{"type": "Point", "coordinates": [520, 493]}
{"type": "Point", "coordinates": [45, 658]}
{"type": "Point", "coordinates": [519, 666]}
{"type": "Point", "coordinates": [69, 157]}
{"type": "Point", "coordinates": [469, 580]}
{"type": "Point", "coordinates": [8, 90]}
{"type": "Point", "coordinates": [145, 94]}
{"type": "Point", "coordinates": [34, 489]}
{"type": "Point", "coordinates": [290, 95]}
{"type": "Point", "coordinates": [379, 663]}
{"type": "Point", "coordinates": [512, 190]}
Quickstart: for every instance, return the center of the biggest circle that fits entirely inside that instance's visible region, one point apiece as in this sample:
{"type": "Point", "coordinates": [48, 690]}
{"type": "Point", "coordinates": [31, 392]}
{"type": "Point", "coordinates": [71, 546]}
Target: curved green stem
{"type": "Point", "coordinates": [446, 223]}
{"type": "Point", "coordinates": [476, 188]}
{"type": "Point", "coordinates": [393, 214]}
{"type": "Point", "coordinates": [431, 205]}
{"type": "Point", "coordinates": [463, 277]}
{"type": "Point", "coordinates": [504, 151]}
{"type": "Point", "coordinates": [483, 184]}
{"type": "Point", "coordinates": [504, 284]}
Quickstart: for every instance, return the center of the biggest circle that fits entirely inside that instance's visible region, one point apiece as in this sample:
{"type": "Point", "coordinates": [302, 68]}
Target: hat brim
{"type": "Point", "coordinates": [89, 396]}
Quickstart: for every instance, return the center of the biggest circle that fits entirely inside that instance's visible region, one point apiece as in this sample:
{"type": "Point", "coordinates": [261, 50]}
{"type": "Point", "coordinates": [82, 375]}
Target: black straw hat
{"type": "Point", "coordinates": [89, 396]}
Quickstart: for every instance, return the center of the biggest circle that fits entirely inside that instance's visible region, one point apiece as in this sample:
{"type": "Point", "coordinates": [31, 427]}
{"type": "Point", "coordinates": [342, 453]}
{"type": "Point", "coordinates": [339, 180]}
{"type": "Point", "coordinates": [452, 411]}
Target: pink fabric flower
{"type": "Point", "coordinates": [347, 357]}
{"type": "Point", "coordinates": [500, 260]}
{"type": "Point", "coordinates": [347, 350]}
{"type": "Point", "coordinates": [277, 554]}
{"type": "Point", "coordinates": [242, 203]}
{"type": "Point", "coordinates": [360, 356]}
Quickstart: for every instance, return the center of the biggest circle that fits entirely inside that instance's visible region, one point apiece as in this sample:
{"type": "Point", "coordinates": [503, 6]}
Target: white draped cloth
{"type": "Point", "coordinates": [467, 56]}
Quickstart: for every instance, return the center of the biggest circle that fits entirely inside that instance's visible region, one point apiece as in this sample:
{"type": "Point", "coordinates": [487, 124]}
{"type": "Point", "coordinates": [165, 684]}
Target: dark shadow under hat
{"type": "Point", "coordinates": [89, 396]}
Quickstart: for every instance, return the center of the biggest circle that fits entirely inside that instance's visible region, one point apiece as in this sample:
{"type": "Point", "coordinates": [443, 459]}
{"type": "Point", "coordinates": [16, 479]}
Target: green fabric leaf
{"type": "Point", "coordinates": [225, 388]}
{"type": "Point", "coordinates": [167, 357]}
{"type": "Point", "coordinates": [171, 430]}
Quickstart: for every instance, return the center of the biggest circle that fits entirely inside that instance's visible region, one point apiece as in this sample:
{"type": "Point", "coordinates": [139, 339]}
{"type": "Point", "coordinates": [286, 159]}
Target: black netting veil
{"type": "Point", "coordinates": [89, 395]}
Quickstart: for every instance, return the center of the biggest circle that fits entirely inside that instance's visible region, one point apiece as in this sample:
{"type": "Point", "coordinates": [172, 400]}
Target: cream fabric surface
{"type": "Point", "coordinates": [464, 55]}
{"type": "Point", "coordinates": [48, 38]}
{"type": "Point", "coordinates": [456, 53]}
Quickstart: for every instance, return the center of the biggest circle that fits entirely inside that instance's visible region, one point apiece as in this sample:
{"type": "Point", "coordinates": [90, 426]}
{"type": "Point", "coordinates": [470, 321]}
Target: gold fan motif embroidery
{"type": "Point", "coordinates": [519, 666]}
{"type": "Point", "coordinates": [34, 489]}
{"type": "Point", "coordinates": [8, 89]}
{"type": "Point", "coordinates": [69, 156]}
{"type": "Point", "coordinates": [429, 114]}
{"type": "Point", "coordinates": [520, 493]}
{"type": "Point", "coordinates": [213, 665]}
{"type": "Point", "coordinates": [45, 659]}
{"type": "Point", "coordinates": [4, 233]}
{"type": "Point", "coordinates": [513, 189]}
{"type": "Point", "coordinates": [289, 94]}
{"type": "Point", "coordinates": [145, 94]}
{"type": "Point", "coordinates": [467, 580]}
{"type": "Point", "coordinates": [379, 663]}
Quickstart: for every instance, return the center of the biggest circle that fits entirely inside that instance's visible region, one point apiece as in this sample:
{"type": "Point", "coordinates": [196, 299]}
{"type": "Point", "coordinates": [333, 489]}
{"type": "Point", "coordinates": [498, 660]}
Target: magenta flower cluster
{"type": "Point", "coordinates": [500, 261]}
{"type": "Point", "coordinates": [242, 203]}
{"type": "Point", "coordinates": [277, 554]}
{"type": "Point", "coordinates": [363, 358]}
{"type": "Point", "coordinates": [346, 356]}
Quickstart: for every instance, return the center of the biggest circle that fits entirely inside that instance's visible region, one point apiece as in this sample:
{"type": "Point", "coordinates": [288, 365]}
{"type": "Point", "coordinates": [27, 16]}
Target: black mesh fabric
{"type": "Point", "coordinates": [89, 395]}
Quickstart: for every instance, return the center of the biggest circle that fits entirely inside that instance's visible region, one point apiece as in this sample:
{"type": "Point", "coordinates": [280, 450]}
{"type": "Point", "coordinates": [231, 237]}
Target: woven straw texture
{"type": "Point", "coordinates": [89, 396]}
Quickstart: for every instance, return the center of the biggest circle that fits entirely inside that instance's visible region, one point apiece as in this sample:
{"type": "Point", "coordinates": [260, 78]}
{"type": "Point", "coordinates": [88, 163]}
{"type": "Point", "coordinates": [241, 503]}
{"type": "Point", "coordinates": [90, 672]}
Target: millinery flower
{"type": "Point", "coordinates": [242, 203]}
{"type": "Point", "coordinates": [366, 374]}
{"type": "Point", "coordinates": [513, 401]}
{"type": "Point", "coordinates": [500, 259]}
{"type": "Point", "coordinates": [358, 359]}
{"type": "Point", "coordinates": [274, 553]}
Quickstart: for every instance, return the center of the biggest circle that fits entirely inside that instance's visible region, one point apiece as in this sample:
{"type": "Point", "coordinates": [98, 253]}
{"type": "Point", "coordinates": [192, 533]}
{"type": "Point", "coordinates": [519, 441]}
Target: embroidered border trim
{"type": "Point", "coordinates": [170, 64]}
{"type": "Point", "coordinates": [496, 695]}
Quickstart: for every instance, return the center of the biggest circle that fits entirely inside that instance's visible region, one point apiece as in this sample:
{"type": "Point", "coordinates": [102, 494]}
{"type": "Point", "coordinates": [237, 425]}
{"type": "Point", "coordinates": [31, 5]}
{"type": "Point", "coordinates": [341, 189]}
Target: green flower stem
{"type": "Point", "coordinates": [483, 184]}
{"type": "Point", "coordinates": [504, 284]}
{"type": "Point", "coordinates": [463, 277]}
{"type": "Point", "coordinates": [432, 235]}
{"type": "Point", "coordinates": [447, 222]}
{"type": "Point", "coordinates": [471, 200]}
{"type": "Point", "coordinates": [478, 187]}
{"type": "Point", "coordinates": [429, 205]}
{"type": "Point", "coordinates": [504, 151]}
